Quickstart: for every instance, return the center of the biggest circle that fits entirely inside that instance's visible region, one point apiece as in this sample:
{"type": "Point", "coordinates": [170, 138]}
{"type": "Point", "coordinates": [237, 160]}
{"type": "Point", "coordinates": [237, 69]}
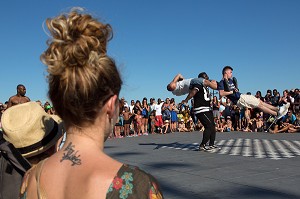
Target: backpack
{"type": "Point", "coordinates": [166, 114]}
{"type": "Point", "coordinates": [12, 169]}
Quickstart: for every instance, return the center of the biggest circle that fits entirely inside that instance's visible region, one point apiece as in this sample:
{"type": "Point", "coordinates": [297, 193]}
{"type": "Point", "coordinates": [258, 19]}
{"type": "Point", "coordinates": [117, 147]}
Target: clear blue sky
{"type": "Point", "coordinates": [154, 40]}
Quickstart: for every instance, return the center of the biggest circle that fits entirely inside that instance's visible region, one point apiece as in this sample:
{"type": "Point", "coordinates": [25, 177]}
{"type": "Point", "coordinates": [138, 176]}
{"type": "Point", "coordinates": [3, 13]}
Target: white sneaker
{"type": "Point", "coordinates": [282, 111]}
{"type": "Point", "coordinates": [214, 147]}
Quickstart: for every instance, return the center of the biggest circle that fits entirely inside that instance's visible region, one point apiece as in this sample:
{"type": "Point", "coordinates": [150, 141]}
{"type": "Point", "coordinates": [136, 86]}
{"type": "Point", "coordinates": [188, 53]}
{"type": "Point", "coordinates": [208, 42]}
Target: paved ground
{"type": "Point", "coordinates": [248, 165]}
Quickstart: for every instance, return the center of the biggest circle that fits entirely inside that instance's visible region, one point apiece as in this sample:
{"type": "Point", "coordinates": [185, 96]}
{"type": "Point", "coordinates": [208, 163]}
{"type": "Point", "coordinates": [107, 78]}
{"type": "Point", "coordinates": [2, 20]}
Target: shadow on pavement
{"type": "Point", "coordinates": [158, 146]}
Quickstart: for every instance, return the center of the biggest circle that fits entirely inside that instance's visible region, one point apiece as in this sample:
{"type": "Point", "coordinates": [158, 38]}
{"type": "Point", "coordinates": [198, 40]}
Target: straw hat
{"type": "Point", "coordinates": [30, 129]}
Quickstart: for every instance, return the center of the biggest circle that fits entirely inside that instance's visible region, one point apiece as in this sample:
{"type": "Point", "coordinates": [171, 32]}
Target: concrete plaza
{"type": "Point", "coordinates": [248, 165]}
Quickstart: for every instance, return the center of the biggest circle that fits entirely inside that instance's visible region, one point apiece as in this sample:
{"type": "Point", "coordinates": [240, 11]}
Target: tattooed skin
{"type": "Point", "coordinates": [71, 154]}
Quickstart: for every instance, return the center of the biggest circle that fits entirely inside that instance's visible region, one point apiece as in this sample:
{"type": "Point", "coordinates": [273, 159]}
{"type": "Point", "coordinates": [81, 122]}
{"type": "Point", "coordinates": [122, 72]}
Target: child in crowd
{"type": "Point", "coordinates": [138, 118]}
{"type": "Point", "coordinates": [181, 126]}
{"type": "Point", "coordinates": [118, 127]}
{"type": "Point", "coordinates": [152, 121]}
{"type": "Point", "coordinates": [126, 117]}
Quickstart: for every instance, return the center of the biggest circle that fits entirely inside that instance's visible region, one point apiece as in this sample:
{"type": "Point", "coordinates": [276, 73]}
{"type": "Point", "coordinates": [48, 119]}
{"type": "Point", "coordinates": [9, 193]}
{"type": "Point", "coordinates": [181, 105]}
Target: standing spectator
{"type": "Point", "coordinates": [296, 100]}
{"type": "Point", "coordinates": [216, 107]}
{"type": "Point", "coordinates": [87, 101]}
{"type": "Point", "coordinates": [158, 115]}
{"type": "Point", "coordinates": [222, 101]}
{"type": "Point", "coordinates": [268, 96]}
{"type": "Point", "coordinates": [285, 98]}
{"type": "Point", "coordinates": [237, 120]}
{"type": "Point", "coordinates": [145, 114]}
{"type": "Point", "coordinates": [139, 122]}
{"type": "Point", "coordinates": [174, 119]}
{"type": "Point", "coordinates": [19, 98]}
{"type": "Point", "coordinates": [152, 104]}
{"type": "Point", "coordinates": [117, 129]}
{"type": "Point", "coordinates": [152, 121]}
{"type": "Point", "coordinates": [126, 116]}
{"type": "Point", "coordinates": [259, 95]}
{"type": "Point", "coordinates": [166, 112]}
{"type": "Point", "coordinates": [131, 106]}
{"type": "Point", "coordinates": [275, 98]}
{"type": "Point", "coordinates": [228, 108]}
{"type": "Point", "coordinates": [137, 125]}
{"type": "Point", "coordinates": [152, 109]}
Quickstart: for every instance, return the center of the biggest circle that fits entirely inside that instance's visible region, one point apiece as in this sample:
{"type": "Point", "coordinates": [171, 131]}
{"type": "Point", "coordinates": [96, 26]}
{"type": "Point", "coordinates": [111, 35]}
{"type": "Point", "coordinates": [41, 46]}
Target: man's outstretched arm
{"type": "Point", "coordinates": [191, 94]}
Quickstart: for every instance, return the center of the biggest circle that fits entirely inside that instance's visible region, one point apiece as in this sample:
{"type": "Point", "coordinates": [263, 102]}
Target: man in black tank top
{"type": "Point", "coordinates": [203, 110]}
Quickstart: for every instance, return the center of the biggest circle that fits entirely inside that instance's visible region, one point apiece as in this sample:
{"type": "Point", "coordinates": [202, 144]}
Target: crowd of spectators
{"type": "Point", "coordinates": [166, 116]}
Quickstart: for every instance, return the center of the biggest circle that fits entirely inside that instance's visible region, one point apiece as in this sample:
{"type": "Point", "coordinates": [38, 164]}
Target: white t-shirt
{"type": "Point", "coordinates": [157, 108]}
{"type": "Point", "coordinates": [182, 87]}
{"type": "Point", "coordinates": [131, 108]}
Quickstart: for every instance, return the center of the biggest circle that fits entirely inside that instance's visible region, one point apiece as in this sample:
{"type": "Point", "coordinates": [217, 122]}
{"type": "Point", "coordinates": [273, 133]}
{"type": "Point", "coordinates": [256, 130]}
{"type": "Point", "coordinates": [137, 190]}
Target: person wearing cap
{"type": "Point", "coordinates": [203, 110]}
{"type": "Point", "coordinates": [181, 126]}
{"type": "Point", "coordinates": [166, 127]}
{"type": "Point", "coordinates": [32, 131]}
{"type": "Point", "coordinates": [228, 87]}
{"type": "Point", "coordinates": [19, 98]}
{"type": "Point", "coordinates": [84, 86]}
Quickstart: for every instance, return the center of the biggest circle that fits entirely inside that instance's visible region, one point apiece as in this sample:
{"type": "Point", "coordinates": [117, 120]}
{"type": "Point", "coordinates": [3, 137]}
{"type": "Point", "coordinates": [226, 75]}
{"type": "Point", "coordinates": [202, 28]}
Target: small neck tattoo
{"type": "Point", "coordinates": [71, 154]}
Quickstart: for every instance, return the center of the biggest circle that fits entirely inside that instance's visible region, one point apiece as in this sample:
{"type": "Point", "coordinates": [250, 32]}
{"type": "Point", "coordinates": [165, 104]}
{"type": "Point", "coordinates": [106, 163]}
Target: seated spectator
{"type": "Point", "coordinates": [228, 126]}
{"type": "Point", "coordinates": [218, 125]}
{"type": "Point", "coordinates": [256, 124]}
{"type": "Point", "coordinates": [294, 129]}
{"type": "Point", "coordinates": [181, 126]}
{"type": "Point", "coordinates": [223, 124]}
{"type": "Point", "coordinates": [285, 123]}
{"type": "Point", "coordinates": [166, 128]}
{"type": "Point", "coordinates": [190, 125]}
{"type": "Point", "coordinates": [199, 126]}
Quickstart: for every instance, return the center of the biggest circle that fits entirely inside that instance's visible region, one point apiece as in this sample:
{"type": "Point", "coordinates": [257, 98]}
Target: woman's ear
{"type": "Point", "coordinates": [112, 106]}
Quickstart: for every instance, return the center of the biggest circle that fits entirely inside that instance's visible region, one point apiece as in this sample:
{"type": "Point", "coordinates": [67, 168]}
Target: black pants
{"type": "Point", "coordinates": [209, 133]}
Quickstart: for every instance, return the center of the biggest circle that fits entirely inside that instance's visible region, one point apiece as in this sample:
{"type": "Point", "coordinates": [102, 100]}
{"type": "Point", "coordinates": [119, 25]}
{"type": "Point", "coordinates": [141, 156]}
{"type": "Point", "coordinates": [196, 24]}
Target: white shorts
{"type": "Point", "coordinates": [248, 101]}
